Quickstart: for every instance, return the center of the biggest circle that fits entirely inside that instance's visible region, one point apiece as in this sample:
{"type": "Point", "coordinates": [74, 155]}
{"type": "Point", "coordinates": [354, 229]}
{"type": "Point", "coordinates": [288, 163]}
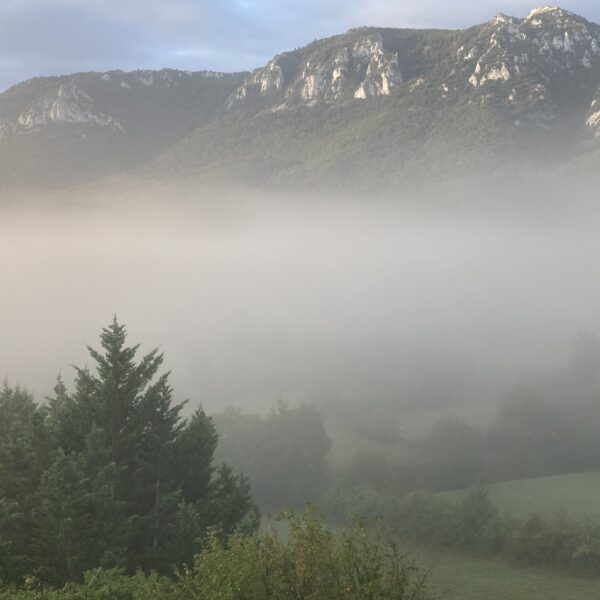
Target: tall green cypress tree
{"type": "Point", "coordinates": [160, 464]}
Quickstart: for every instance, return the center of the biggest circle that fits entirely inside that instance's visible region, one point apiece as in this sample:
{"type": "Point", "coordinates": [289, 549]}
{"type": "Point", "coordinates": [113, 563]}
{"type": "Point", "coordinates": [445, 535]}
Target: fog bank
{"type": "Point", "coordinates": [252, 298]}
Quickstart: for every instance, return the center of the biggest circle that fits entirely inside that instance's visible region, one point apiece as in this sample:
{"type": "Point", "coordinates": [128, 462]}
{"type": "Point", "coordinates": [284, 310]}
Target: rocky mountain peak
{"type": "Point", "coordinates": [538, 16]}
{"type": "Point", "coordinates": [530, 66]}
{"type": "Point", "coordinates": [357, 66]}
{"type": "Point", "coordinates": [523, 54]}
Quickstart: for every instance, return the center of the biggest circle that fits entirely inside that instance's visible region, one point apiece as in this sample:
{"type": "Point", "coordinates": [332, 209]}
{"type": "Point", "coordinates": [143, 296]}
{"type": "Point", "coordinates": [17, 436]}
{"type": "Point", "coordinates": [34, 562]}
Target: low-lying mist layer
{"type": "Point", "coordinates": [256, 297]}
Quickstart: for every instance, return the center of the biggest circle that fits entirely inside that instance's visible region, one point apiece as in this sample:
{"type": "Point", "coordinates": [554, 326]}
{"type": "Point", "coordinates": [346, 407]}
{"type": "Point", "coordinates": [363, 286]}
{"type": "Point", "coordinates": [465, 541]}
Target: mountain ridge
{"type": "Point", "coordinates": [372, 107]}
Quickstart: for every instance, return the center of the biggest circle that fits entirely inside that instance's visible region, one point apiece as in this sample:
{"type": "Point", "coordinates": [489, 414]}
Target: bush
{"type": "Point", "coordinates": [360, 501]}
{"type": "Point", "coordinates": [473, 523]}
{"type": "Point", "coordinates": [478, 524]}
{"type": "Point", "coordinates": [314, 563]}
{"type": "Point", "coordinates": [425, 517]}
{"type": "Point", "coordinates": [558, 541]}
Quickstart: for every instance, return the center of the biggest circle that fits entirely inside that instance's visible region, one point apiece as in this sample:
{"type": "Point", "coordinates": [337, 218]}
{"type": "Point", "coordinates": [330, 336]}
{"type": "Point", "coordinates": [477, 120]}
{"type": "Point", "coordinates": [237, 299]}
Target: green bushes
{"type": "Point", "coordinates": [473, 523]}
{"type": "Point", "coordinates": [557, 541]}
{"type": "Point", "coordinates": [283, 455]}
{"type": "Point", "coordinates": [313, 564]}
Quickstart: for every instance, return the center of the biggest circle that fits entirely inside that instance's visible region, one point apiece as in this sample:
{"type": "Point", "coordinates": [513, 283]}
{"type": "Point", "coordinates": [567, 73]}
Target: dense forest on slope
{"type": "Point", "coordinates": [374, 109]}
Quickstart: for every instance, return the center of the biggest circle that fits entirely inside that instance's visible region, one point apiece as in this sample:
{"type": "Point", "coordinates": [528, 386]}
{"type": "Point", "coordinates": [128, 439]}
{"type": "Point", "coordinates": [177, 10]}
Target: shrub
{"type": "Point", "coordinates": [473, 523]}
{"type": "Point", "coordinates": [361, 501]}
{"type": "Point", "coordinates": [314, 563]}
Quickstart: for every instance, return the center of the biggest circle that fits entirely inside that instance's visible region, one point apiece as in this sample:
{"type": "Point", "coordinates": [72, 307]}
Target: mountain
{"type": "Point", "coordinates": [373, 108]}
{"type": "Point", "coordinates": [77, 128]}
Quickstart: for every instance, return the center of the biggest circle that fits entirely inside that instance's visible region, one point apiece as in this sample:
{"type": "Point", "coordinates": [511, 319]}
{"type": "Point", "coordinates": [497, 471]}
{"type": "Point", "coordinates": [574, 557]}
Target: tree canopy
{"type": "Point", "coordinates": [110, 474]}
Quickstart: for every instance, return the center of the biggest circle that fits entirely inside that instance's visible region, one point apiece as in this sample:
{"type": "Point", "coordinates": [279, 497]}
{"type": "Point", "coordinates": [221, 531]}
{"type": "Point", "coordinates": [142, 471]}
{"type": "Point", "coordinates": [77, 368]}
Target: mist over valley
{"type": "Point", "coordinates": [324, 329]}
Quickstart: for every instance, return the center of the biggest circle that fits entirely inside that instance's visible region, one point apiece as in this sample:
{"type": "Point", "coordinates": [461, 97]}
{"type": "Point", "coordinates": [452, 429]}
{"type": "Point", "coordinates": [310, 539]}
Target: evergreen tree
{"type": "Point", "coordinates": [24, 454]}
{"type": "Point", "coordinates": [80, 522]}
{"type": "Point", "coordinates": [110, 474]}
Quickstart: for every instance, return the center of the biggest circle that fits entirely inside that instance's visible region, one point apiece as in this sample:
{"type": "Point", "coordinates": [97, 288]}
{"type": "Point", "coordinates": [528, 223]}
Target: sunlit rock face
{"type": "Point", "coordinates": [382, 72]}
{"type": "Point", "coordinates": [94, 99]}
{"type": "Point", "coordinates": [523, 66]}
{"type": "Point", "coordinates": [548, 39]}
{"type": "Point", "coordinates": [358, 67]}
{"type": "Point", "coordinates": [87, 125]}
{"type": "Point", "coordinates": [530, 65]}
{"type": "Point", "coordinates": [593, 117]}
{"type": "Point", "coordinates": [262, 83]}
{"type": "Point", "coordinates": [69, 104]}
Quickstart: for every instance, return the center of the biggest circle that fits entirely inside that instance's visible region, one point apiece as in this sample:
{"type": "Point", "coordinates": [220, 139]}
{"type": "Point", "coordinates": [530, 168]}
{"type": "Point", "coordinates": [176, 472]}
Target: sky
{"type": "Point", "coordinates": [50, 37]}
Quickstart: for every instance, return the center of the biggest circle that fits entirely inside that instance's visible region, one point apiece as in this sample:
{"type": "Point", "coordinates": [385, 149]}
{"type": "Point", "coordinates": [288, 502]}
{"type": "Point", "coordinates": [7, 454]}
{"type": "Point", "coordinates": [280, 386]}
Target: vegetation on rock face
{"type": "Point", "coordinates": [81, 127]}
{"type": "Point", "coordinates": [110, 475]}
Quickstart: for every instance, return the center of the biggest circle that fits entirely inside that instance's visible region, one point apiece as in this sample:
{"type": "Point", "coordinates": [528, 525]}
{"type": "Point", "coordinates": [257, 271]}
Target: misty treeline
{"type": "Point", "coordinates": [283, 454]}
{"type": "Point", "coordinates": [549, 425]}
{"type": "Point", "coordinates": [106, 491]}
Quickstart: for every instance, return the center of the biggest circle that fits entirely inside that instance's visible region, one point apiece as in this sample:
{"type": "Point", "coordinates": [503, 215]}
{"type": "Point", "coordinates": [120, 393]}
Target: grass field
{"type": "Point", "coordinates": [576, 494]}
{"type": "Point", "coordinates": [461, 577]}
{"type": "Point", "coordinates": [456, 576]}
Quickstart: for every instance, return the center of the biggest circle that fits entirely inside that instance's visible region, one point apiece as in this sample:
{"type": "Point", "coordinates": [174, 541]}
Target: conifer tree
{"type": "Point", "coordinates": [24, 454]}
{"type": "Point", "coordinates": [110, 474]}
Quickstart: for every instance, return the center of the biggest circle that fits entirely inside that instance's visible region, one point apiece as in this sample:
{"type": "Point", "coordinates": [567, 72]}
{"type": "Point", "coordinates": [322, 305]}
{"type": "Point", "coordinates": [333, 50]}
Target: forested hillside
{"type": "Point", "coordinates": [374, 110]}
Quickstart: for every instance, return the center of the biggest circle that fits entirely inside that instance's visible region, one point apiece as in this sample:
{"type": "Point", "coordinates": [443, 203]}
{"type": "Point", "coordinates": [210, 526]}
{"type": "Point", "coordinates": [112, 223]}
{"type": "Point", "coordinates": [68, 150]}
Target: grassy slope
{"type": "Point", "coordinates": [577, 494]}
{"type": "Point", "coordinates": [456, 576]}
{"type": "Point", "coordinates": [461, 577]}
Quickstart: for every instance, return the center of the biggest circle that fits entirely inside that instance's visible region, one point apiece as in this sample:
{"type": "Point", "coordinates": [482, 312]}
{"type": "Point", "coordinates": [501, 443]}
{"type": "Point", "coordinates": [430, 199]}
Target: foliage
{"type": "Point", "coordinates": [110, 475]}
{"type": "Point", "coordinates": [313, 564]}
{"type": "Point", "coordinates": [284, 455]}
{"type": "Point", "coordinates": [23, 459]}
{"type": "Point", "coordinates": [474, 523]}
{"type": "Point", "coordinates": [152, 118]}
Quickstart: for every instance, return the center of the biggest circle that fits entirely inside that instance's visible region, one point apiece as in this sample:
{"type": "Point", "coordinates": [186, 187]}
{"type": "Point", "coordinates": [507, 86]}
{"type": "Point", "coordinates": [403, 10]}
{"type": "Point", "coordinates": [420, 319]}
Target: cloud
{"type": "Point", "coordinates": [42, 37]}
